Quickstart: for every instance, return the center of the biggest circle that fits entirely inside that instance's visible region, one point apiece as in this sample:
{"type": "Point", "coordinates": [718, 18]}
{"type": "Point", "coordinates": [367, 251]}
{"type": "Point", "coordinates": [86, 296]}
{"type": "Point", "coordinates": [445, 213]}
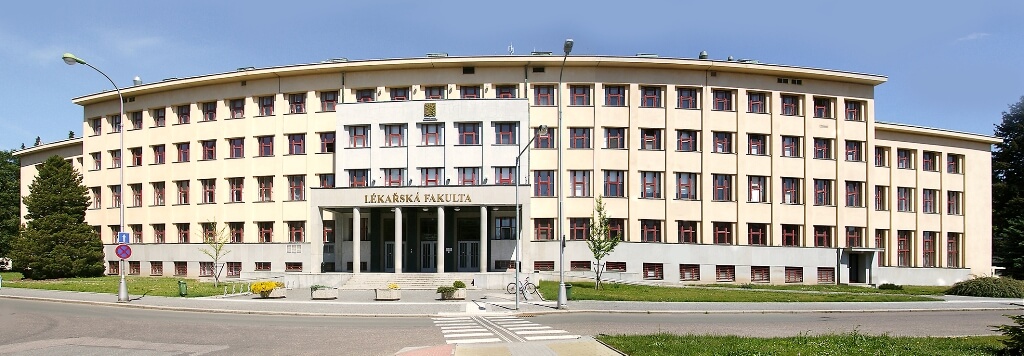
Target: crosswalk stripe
{"type": "Point", "coordinates": [528, 332]}
{"type": "Point", "coordinates": [469, 335]}
{"type": "Point", "coordinates": [452, 318]}
{"type": "Point", "coordinates": [472, 341]}
{"type": "Point", "coordinates": [453, 332]}
{"type": "Point", "coordinates": [455, 325]}
{"type": "Point", "coordinates": [551, 337]}
{"type": "Point", "coordinates": [529, 328]}
{"type": "Point", "coordinates": [513, 322]}
{"type": "Point", "coordinates": [459, 327]}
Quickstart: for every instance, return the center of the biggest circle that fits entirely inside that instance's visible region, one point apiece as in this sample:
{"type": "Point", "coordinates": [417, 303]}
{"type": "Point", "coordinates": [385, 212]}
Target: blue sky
{"type": "Point", "coordinates": [952, 65]}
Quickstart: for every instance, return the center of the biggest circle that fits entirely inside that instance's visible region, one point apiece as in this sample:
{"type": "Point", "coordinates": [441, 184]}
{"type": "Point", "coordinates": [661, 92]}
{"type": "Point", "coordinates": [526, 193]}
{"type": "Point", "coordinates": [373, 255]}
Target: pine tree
{"type": "Point", "coordinates": [10, 200]}
{"type": "Point", "coordinates": [1008, 192]}
{"type": "Point", "coordinates": [57, 242]}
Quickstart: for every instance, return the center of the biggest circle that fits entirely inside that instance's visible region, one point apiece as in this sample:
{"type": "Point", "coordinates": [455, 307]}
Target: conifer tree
{"type": "Point", "coordinates": [1008, 192]}
{"type": "Point", "coordinates": [10, 200]}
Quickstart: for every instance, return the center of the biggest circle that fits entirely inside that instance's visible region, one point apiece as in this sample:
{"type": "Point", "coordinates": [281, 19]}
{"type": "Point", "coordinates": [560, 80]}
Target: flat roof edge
{"type": "Point", "coordinates": [899, 127]}
{"type": "Point", "coordinates": [48, 146]}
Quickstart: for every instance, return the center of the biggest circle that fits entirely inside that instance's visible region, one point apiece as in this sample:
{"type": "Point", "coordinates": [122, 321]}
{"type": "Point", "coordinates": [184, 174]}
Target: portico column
{"type": "Point", "coordinates": [357, 239]}
{"type": "Point", "coordinates": [398, 240]}
{"type": "Point", "coordinates": [483, 239]}
{"type": "Point", "coordinates": [440, 239]}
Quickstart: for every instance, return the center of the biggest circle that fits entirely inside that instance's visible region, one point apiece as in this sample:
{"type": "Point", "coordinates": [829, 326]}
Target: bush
{"type": "Point", "coordinates": [317, 287]}
{"type": "Point", "coordinates": [263, 288]}
{"type": "Point", "coordinates": [445, 290]}
{"type": "Point", "coordinates": [459, 284]}
{"type": "Point", "coordinates": [890, 286]}
{"type": "Point", "coordinates": [1014, 335]}
{"type": "Point", "coordinates": [991, 287]}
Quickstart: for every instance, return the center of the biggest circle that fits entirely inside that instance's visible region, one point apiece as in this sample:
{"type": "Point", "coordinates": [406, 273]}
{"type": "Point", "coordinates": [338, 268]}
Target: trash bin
{"type": "Point", "coordinates": [568, 292]}
{"type": "Point", "coordinates": [182, 288]}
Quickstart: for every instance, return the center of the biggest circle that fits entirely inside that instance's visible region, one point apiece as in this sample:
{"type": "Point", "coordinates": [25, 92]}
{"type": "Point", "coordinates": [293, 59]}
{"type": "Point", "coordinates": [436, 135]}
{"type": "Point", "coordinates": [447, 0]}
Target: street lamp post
{"type": "Point", "coordinates": [541, 131]}
{"type": "Point", "coordinates": [70, 59]}
{"type": "Point", "coordinates": [566, 48]}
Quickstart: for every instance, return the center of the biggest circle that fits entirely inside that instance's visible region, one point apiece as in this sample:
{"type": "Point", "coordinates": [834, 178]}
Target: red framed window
{"type": "Point", "coordinates": [822, 236]}
{"type": "Point", "coordinates": [543, 265]}
{"type": "Point", "coordinates": [235, 186]}
{"type": "Point", "coordinates": [180, 268]}
{"type": "Point", "coordinates": [953, 249]}
{"type": "Point", "coordinates": [904, 199]}
{"type": "Point", "coordinates": [826, 275]}
{"type": "Point", "coordinates": [357, 177]}
{"type": "Point", "coordinates": [650, 139]}
{"type": "Point", "coordinates": [469, 133]}
{"type": "Point", "coordinates": [504, 175]}
{"type": "Point", "coordinates": [394, 135]}
{"type": "Point", "coordinates": [469, 175]}
{"type": "Point", "coordinates": [823, 192]}
{"type": "Point", "coordinates": [650, 230]}
{"type": "Point", "coordinates": [687, 98]}
{"type": "Point", "coordinates": [97, 161]}
{"type": "Point", "coordinates": [689, 272]}
{"type": "Point", "coordinates": [615, 137]}
{"type": "Point", "coordinates": [97, 198]}
{"type": "Point", "coordinates": [296, 231]}
{"type": "Point", "coordinates": [399, 94]}
{"type": "Point", "coordinates": [929, 204]}
{"type": "Point", "coordinates": [854, 111]}
{"type": "Point", "coordinates": [262, 266]}
{"type": "Point", "coordinates": [431, 135]}
{"type": "Point", "coordinates": [328, 100]}
{"type": "Point", "coordinates": [687, 232]}
{"type": "Point", "coordinates": [756, 144]}
{"type": "Point", "coordinates": [650, 185]}
{"type": "Point", "coordinates": [297, 103]}
{"type": "Point", "coordinates": [327, 141]}
{"type": "Point", "coordinates": [115, 159]}
{"type": "Point", "coordinates": [234, 269]}
{"type": "Point", "coordinates": [434, 92]}
{"type": "Point", "coordinates": [790, 146]}
{"type": "Point", "coordinates": [546, 140]}
{"type": "Point", "coordinates": [790, 105]}
{"type": "Point", "coordinates": [293, 266]}
{"type": "Point", "coordinates": [903, 241]}
{"type": "Point", "coordinates": [615, 95]}
{"type": "Point", "coordinates": [543, 95]}
{"type": "Point", "coordinates": [854, 151]}
{"type": "Point", "coordinates": [580, 183]}
{"type": "Point", "coordinates": [723, 142]}
{"type": "Point", "coordinates": [183, 189]}
{"type": "Point", "coordinates": [794, 275]}
{"type": "Point", "coordinates": [326, 180]}
{"type": "Point", "coordinates": [928, 239]}
{"type": "Point", "coordinates": [506, 133]}
{"type": "Point", "coordinates": [722, 100]}
{"type": "Point", "coordinates": [854, 236]}
{"type": "Point", "coordinates": [881, 156]}
{"type": "Point", "coordinates": [654, 271]}
{"type": "Point", "coordinates": [822, 148]}
{"type": "Point", "coordinates": [543, 183]}
{"type": "Point", "coordinates": [209, 149]}
{"type": "Point", "coordinates": [394, 177]}
{"type": "Point", "coordinates": [506, 91]}
{"type": "Point", "coordinates": [136, 153]}
{"type": "Point", "coordinates": [431, 176]}
{"type": "Point", "coordinates": [854, 194]}
{"type": "Point", "coordinates": [953, 202]}
{"type": "Point", "coordinates": [579, 228]}
{"type": "Point", "coordinates": [579, 95]}
{"type": "Point", "coordinates": [760, 274]}
{"type": "Point", "coordinates": [790, 235]}
{"type": "Point", "coordinates": [266, 146]}
{"type": "Point", "coordinates": [237, 147]}
{"type": "Point", "coordinates": [929, 161]}
{"type": "Point", "coordinates": [158, 193]}
{"type": "Point", "coordinates": [756, 189]}
{"type": "Point", "coordinates": [756, 103]}
{"type": "Point", "coordinates": [650, 97]}
{"type": "Point", "coordinates": [296, 187]}
{"type": "Point", "coordinates": [183, 232]}
{"type": "Point", "coordinates": [725, 273]}
{"type": "Point", "coordinates": [823, 108]}
{"type": "Point", "coordinates": [97, 126]}
{"type": "Point", "coordinates": [543, 229]}
{"type": "Point", "coordinates": [469, 92]}
{"type": "Point", "coordinates": [579, 265]}
{"type": "Point", "coordinates": [614, 183]}
{"type": "Point", "coordinates": [136, 194]}
{"type": "Point", "coordinates": [366, 95]}
{"type": "Point", "coordinates": [881, 198]}
{"type": "Point", "coordinates": [686, 186]}
{"type": "Point", "coordinates": [183, 114]}
{"type": "Point", "coordinates": [266, 105]}
{"type": "Point", "coordinates": [159, 119]}
{"type": "Point", "coordinates": [237, 107]}
{"type": "Point", "coordinates": [297, 144]}
{"type": "Point", "coordinates": [266, 192]}
{"type": "Point", "coordinates": [686, 140]}
{"type": "Point", "coordinates": [358, 136]}
{"type": "Point", "coordinates": [156, 268]}
{"type": "Point", "coordinates": [757, 234]}
{"type": "Point", "coordinates": [617, 228]}
{"type": "Point", "coordinates": [722, 233]}
{"type": "Point", "coordinates": [209, 190]}
{"type": "Point", "coordinates": [579, 137]}
{"type": "Point", "coordinates": [210, 111]}
{"type": "Point", "coordinates": [159, 233]}
{"type": "Point", "coordinates": [266, 232]}
{"type": "Point", "coordinates": [954, 163]}
{"type": "Point", "coordinates": [722, 187]}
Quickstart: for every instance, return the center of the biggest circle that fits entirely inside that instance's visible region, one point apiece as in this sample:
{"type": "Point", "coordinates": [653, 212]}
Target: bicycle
{"type": "Point", "coordinates": [524, 287]}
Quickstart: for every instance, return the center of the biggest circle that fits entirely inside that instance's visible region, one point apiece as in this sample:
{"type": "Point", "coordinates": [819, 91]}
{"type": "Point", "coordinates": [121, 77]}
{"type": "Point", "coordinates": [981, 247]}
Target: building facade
{"type": "Point", "coordinates": [711, 171]}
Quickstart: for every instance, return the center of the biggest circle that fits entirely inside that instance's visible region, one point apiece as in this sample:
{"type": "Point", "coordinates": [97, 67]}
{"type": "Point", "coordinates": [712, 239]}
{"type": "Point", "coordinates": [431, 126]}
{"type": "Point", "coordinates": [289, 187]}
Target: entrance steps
{"type": "Point", "coordinates": [412, 281]}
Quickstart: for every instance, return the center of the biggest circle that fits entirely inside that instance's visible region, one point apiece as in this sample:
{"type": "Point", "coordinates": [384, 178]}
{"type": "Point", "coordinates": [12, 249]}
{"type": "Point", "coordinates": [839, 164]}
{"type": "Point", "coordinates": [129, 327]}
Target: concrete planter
{"type": "Point", "coordinates": [458, 294]}
{"type": "Point", "coordinates": [325, 293]}
{"type": "Point", "coordinates": [276, 293]}
{"type": "Point", "coordinates": [388, 294]}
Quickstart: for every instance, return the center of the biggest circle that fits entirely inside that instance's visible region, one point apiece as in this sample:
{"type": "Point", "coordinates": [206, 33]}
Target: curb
{"type": "Point", "coordinates": [765, 311]}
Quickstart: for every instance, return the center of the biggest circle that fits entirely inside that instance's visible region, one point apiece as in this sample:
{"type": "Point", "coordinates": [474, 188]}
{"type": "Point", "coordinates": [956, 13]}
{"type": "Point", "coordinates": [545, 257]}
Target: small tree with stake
{"type": "Point", "coordinates": [216, 244]}
{"type": "Point", "coordinates": [600, 241]}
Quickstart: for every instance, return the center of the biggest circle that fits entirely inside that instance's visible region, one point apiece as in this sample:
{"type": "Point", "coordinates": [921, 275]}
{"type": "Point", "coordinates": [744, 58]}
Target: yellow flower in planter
{"type": "Point", "coordinates": [263, 288]}
{"type": "Point", "coordinates": [393, 286]}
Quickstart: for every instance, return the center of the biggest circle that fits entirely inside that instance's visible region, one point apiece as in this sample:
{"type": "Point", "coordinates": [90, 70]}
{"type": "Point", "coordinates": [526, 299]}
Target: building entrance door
{"type": "Point", "coordinates": [428, 256]}
{"type": "Point", "coordinates": [389, 256]}
{"type": "Point", "coordinates": [856, 268]}
{"type": "Point", "coordinates": [469, 256]}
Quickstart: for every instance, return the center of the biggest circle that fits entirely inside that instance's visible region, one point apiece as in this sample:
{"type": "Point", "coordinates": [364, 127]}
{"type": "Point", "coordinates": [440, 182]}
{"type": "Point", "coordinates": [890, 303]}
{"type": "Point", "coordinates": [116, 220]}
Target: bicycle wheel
{"type": "Point", "coordinates": [530, 288]}
{"type": "Point", "coordinates": [511, 288]}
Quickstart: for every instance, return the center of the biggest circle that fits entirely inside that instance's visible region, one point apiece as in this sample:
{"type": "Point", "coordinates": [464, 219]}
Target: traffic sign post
{"type": "Point", "coordinates": [123, 251]}
{"type": "Point", "coordinates": [123, 238]}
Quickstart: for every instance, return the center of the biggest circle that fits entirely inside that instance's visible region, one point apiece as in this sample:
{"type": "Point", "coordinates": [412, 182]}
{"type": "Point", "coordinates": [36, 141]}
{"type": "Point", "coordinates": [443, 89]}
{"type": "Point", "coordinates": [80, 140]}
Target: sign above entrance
{"type": "Point", "coordinates": [437, 198]}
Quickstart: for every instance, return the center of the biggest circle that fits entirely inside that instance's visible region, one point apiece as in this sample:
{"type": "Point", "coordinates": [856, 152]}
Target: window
{"type": "Point", "coordinates": [209, 111]}
{"type": "Point", "coordinates": [469, 175]}
{"type": "Point", "coordinates": [854, 194]}
{"type": "Point", "coordinates": [399, 94]}
{"type": "Point", "coordinates": [579, 95]}
{"type": "Point", "coordinates": [580, 183]}
{"type": "Point", "coordinates": [723, 142]}
{"type": "Point", "coordinates": [543, 265]}
{"type": "Point", "coordinates": [209, 231]}
{"type": "Point", "coordinates": [881, 236]}
{"type": "Point", "coordinates": [328, 100]}
{"type": "Point", "coordinates": [650, 230]}
{"type": "Point", "coordinates": [615, 95]}
{"type": "Point", "coordinates": [615, 137]}
{"type": "Point", "coordinates": [97, 161]}
{"type": "Point", "coordinates": [790, 105]}
{"type": "Point", "coordinates": [326, 180]}
{"type": "Point", "coordinates": [854, 111]}
{"type": "Point", "coordinates": [823, 148]}
{"type": "Point", "coordinates": [115, 123]}
{"type": "Point", "coordinates": [469, 133]}
{"type": "Point", "coordinates": [757, 234]}
{"type": "Point", "coordinates": [237, 108]}
{"type": "Point", "coordinates": [136, 194]}
{"type": "Point", "coordinates": [183, 232]}
{"type": "Point", "coordinates": [266, 146]}
{"type": "Point", "coordinates": [757, 191]}
{"type": "Point", "coordinates": [686, 140]}
{"type": "Point", "coordinates": [790, 235]}
{"type": "Point", "coordinates": [262, 266]}
{"type": "Point", "coordinates": [616, 228]}
{"type": "Point", "coordinates": [209, 190]}
{"type": "Point", "coordinates": [790, 190]}
{"type": "Point", "coordinates": [209, 149]}
{"type": "Point", "coordinates": [266, 184]}
{"type": "Point", "coordinates": [507, 91]}
{"type": "Point", "coordinates": [757, 144]}
{"type": "Point", "coordinates": [723, 187]}
{"type": "Point", "coordinates": [543, 95]}
{"type": "Point", "coordinates": [434, 92]}
{"type": "Point", "coordinates": [357, 136]}
{"type": "Point", "coordinates": [237, 149]}
{"type": "Point", "coordinates": [954, 202]}
{"type": "Point", "coordinates": [183, 114]}
{"type": "Point", "coordinates": [854, 236]}
{"type": "Point", "coordinates": [394, 177]}
{"type": "Point", "coordinates": [159, 118]}
{"type": "Point", "coordinates": [96, 125]}
{"type": "Point", "coordinates": [651, 139]}
{"type": "Point", "coordinates": [614, 181]}
{"type": "Point", "coordinates": [159, 193]}
{"type": "Point", "coordinates": [293, 266]}
{"type": "Point", "coordinates": [504, 175]}
{"type": "Point", "coordinates": [854, 151]}
{"type": "Point", "coordinates": [327, 142]}
{"type": "Point", "coordinates": [543, 229]}
{"type": "Point", "coordinates": [579, 265]}
{"type": "Point", "coordinates": [881, 156]}
{"type": "Point", "coordinates": [791, 146]}
{"type": "Point", "coordinates": [722, 100]}
{"type": "Point", "coordinates": [929, 161]}
{"type": "Point", "coordinates": [794, 275]}
{"type": "Point", "coordinates": [757, 103]}
{"type": "Point", "coordinates": [929, 201]}
{"type": "Point", "coordinates": [760, 274]}
{"type": "Point", "coordinates": [904, 159]}
{"type": "Point", "coordinates": [180, 268]}
{"type": "Point", "coordinates": [654, 271]}
{"type": "Point", "coordinates": [182, 186]}
{"type": "Point", "coordinates": [823, 108]}
{"type": "Point", "coordinates": [394, 135]}
{"type": "Point", "coordinates": [725, 273]}
{"type": "Point", "coordinates": [615, 266]}
{"type": "Point", "coordinates": [904, 199]}
{"type": "Point", "coordinates": [136, 119]}
{"type": "Point", "coordinates": [689, 272]}
{"type": "Point", "coordinates": [504, 229]}
{"type": "Point", "coordinates": [115, 196]}
{"type": "Point", "coordinates": [297, 103]}
{"type": "Point", "coordinates": [543, 183]}
{"type": "Point", "coordinates": [266, 105]}
{"type": "Point", "coordinates": [823, 192]}
{"type": "Point", "coordinates": [506, 133]}
{"type": "Point", "coordinates": [235, 186]}
{"type": "Point", "coordinates": [903, 247]}
{"type": "Point", "coordinates": [234, 269]}
{"type": "Point", "coordinates": [266, 231]}
{"type": "Point", "coordinates": [115, 159]}
{"type": "Point", "coordinates": [722, 232]}
{"type": "Point", "coordinates": [687, 98]}
{"type": "Point", "coordinates": [136, 153]}
{"type": "Point", "coordinates": [822, 236]}
{"type": "Point", "coordinates": [928, 247]}
{"type": "Point", "coordinates": [431, 176]}
{"type": "Point", "coordinates": [296, 187]}
{"type": "Point", "coordinates": [431, 135]}
{"type": "Point", "coordinates": [156, 268]}
{"type": "Point", "coordinates": [296, 231]}
{"type": "Point", "coordinates": [881, 198]}
{"type": "Point", "coordinates": [579, 137]}
{"type": "Point", "coordinates": [651, 185]}
{"type": "Point", "coordinates": [650, 97]}
{"type": "Point", "coordinates": [826, 275]}
{"type": "Point", "coordinates": [545, 140]}
{"type": "Point", "coordinates": [687, 232]}
{"type": "Point", "coordinates": [686, 186]}
{"type": "Point", "coordinates": [954, 163]}
{"type": "Point", "coordinates": [469, 92]}
{"type": "Point", "coordinates": [358, 177]}
{"type": "Point", "coordinates": [579, 228]}
{"type": "Point", "coordinates": [366, 95]}
{"type": "Point", "coordinates": [953, 249]}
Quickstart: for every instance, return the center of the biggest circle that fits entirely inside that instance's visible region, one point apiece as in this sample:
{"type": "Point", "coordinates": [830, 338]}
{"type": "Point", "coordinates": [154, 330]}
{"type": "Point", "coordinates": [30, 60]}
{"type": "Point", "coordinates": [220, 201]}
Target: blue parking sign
{"type": "Point", "coordinates": [123, 238]}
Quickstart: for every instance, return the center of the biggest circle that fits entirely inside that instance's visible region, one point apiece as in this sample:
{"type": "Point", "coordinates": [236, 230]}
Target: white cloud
{"type": "Point", "coordinates": [973, 36]}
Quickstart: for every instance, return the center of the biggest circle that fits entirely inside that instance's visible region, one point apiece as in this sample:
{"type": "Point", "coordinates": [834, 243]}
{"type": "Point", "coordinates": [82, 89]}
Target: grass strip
{"type": "Point", "coordinates": [137, 285]}
{"type": "Point", "coordinates": [836, 344]}
{"type": "Point", "coordinates": [626, 292]}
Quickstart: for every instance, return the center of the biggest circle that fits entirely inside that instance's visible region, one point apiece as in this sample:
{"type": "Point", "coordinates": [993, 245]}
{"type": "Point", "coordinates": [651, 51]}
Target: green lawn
{"type": "Point", "coordinates": [842, 344]}
{"type": "Point", "coordinates": [909, 290]}
{"type": "Point", "coordinates": [137, 285]}
{"type": "Point", "coordinates": [624, 292]}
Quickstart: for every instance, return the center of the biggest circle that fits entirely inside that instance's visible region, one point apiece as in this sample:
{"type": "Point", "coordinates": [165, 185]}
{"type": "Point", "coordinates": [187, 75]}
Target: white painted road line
{"type": "Point", "coordinates": [460, 327]}
{"type": "Point", "coordinates": [513, 322]}
{"type": "Point", "coordinates": [552, 337]}
{"type": "Point", "coordinates": [538, 327]}
{"type": "Point", "coordinates": [529, 332]}
{"type": "Point", "coordinates": [452, 333]}
{"type": "Point", "coordinates": [451, 318]}
{"type": "Point", "coordinates": [471, 335]}
{"type": "Point", "coordinates": [473, 341]}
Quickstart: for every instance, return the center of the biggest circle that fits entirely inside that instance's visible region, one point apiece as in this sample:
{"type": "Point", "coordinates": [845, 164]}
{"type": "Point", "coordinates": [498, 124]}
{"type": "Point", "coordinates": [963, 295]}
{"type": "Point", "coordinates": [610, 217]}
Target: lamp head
{"type": "Point", "coordinates": [542, 130]}
{"type": "Point", "coordinates": [71, 60]}
{"type": "Point", "coordinates": [568, 46]}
